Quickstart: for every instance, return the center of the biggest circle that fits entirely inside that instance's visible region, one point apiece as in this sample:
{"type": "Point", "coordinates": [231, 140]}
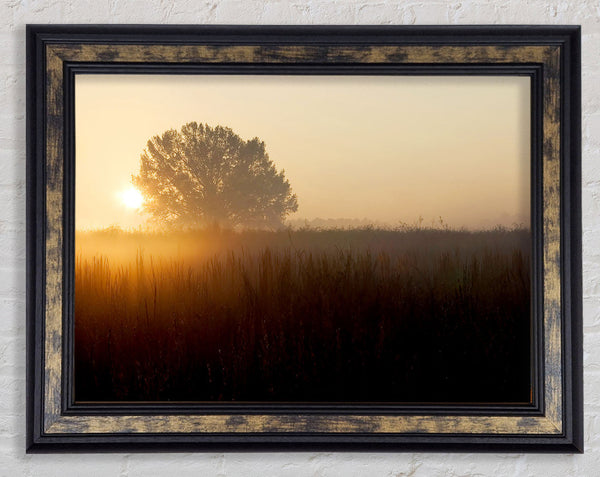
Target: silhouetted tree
{"type": "Point", "coordinates": [203, 175]}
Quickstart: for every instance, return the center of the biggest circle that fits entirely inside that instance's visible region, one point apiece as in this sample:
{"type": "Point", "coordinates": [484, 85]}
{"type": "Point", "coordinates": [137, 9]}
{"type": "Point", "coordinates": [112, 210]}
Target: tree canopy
{"type": "Point", "coordinates": [203, 175]}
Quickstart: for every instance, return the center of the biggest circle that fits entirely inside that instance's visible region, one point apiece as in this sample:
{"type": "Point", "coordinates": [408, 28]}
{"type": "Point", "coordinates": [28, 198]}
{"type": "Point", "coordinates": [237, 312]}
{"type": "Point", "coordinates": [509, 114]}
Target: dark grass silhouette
{"type": "Point", "coordinates": [306, 315]}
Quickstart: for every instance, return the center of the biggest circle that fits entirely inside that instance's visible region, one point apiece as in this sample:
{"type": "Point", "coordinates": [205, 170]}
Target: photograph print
{"type": "Point", "coordinates": [302, 239]}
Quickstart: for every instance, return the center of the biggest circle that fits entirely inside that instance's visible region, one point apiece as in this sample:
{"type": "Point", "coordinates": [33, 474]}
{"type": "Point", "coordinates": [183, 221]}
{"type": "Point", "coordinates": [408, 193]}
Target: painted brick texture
{"type": "Point", "coordinates": [14, 14]}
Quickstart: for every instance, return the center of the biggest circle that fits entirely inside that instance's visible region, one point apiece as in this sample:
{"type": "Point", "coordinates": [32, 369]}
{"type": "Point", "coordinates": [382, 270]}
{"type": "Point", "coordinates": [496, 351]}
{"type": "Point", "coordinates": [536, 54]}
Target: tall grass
{"type": "Point", "coordinates": [306, 315]}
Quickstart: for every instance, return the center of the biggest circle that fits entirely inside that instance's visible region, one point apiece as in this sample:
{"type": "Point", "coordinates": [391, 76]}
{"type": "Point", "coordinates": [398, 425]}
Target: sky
{"type": "Point", "coordinates": [385, 149]}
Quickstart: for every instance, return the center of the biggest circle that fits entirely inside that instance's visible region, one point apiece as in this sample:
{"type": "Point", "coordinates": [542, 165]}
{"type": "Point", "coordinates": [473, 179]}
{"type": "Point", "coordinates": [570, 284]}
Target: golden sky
{"type": "Point", "coordinates": [384, 148]}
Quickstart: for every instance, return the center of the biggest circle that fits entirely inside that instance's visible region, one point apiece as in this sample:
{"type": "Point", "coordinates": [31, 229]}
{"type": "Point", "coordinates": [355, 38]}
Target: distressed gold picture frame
{"type": "Point", "coordinates": [549, 55]}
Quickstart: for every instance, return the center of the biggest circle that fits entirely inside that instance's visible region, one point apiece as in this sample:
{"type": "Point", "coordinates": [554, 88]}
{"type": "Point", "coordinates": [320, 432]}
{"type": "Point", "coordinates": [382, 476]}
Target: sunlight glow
{"type": "Point", "coordinates": [132, 198]}
{"type": "Point", "coordinates": [382, 149]}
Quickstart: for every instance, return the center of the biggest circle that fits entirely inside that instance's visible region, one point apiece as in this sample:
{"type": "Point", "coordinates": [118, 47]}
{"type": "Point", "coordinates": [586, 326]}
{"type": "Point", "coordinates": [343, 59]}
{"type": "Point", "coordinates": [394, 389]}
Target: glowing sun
{"type": "Point", "coordinates": [132, 198]}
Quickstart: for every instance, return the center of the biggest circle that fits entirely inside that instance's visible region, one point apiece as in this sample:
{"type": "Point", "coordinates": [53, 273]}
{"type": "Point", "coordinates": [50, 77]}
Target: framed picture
{"type": "Point", "coordinates": [295, 238]}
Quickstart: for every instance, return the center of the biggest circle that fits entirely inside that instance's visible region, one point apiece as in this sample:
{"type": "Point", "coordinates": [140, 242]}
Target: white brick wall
{"type": "Point", "coordinates": [14, 14]}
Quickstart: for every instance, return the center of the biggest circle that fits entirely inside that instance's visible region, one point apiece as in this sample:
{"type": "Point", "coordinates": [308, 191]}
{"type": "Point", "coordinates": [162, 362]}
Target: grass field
{"type": "Point", "coordinates": [303, 315]}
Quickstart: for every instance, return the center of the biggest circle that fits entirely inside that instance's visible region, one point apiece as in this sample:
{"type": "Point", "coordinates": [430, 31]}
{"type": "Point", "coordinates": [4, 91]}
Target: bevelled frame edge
{"type": "Point", "coordinates": [572, 239]}
{"type": "Point", "coordinates": [46, 436]}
